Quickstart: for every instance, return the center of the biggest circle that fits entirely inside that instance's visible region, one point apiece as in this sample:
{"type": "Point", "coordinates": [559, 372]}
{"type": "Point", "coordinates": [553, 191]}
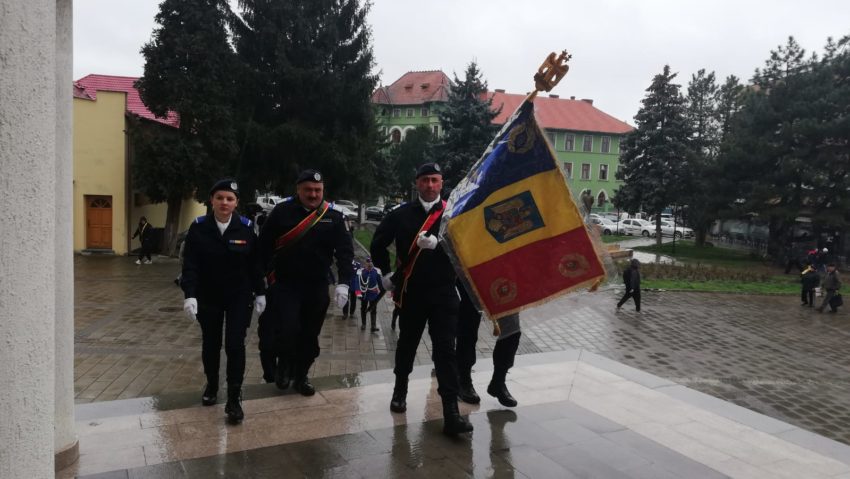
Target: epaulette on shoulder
{"type": "Point", "coordinates": [245, 221]}
{"type": "Point", "coordinates": [200, 219]}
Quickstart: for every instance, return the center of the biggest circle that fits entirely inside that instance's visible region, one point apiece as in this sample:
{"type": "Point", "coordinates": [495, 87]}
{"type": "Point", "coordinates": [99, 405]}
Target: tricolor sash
{"type": "Point", "coordinates": [286, 240]}
{"type": "Point", "coordinates": [413, 252]}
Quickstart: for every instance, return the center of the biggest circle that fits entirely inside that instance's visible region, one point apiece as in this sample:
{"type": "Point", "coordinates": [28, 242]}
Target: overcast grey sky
{"type": "Point", "coordinates": [617, 45]}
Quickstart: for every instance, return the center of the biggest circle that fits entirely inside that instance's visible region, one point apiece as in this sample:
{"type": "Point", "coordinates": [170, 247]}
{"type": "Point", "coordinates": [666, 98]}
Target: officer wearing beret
{"type": "Point", "coordinates": [220, 278]}
{"type": "Point", "coordinates": [424, 286]}
{"type": "Point", "coordinates": [298, 243]}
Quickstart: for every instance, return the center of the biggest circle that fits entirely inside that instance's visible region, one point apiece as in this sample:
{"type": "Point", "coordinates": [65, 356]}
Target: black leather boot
{"type": "Point", "coordinates": [210, 392]}
{"type": "Point", "coordinates": [453, 422]}
{"type": "Point", "coordinates": [467, 392]}
{"type": "Point", "coordinates": [281, 376]}
{"type": "Point", "coordinates": [304, 387]}
{"type": "Point", "coordinates": [500, 391]}
{"type": "Point", "coordinates": [233, 408]}
{"type": "Point", "coordinates": [399, 400]}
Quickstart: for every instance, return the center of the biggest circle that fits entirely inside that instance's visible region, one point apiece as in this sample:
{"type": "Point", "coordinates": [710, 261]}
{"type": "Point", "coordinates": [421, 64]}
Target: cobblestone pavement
{"type": "Point", "coordinates": [766, 353]}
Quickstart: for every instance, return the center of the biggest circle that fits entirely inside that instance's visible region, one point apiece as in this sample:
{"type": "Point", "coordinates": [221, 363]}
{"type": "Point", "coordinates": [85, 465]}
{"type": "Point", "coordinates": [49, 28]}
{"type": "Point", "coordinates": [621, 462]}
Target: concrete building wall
{"type": "Point", "coordinates": [27, 241]}
{"type": "Point", "coordinates": [100, 165]}
{"type": "Point", "coordinates": [65, 439]}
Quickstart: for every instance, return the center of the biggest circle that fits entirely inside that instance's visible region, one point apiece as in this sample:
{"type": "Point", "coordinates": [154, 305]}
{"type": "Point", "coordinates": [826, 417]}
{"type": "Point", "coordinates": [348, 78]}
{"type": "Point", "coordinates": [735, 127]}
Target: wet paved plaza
{"type": "Point", "coordinates": [765, 353]}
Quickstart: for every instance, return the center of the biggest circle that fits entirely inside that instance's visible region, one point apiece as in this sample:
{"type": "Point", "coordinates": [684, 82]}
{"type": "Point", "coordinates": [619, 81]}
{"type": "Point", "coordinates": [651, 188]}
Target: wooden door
{"type": "Point", "coordinates": [99, 222]}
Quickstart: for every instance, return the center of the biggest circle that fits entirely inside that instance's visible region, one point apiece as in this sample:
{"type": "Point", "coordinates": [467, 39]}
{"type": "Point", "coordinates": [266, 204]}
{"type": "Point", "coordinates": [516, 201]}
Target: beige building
{"type": "Point", "coordinates": [106, 209]}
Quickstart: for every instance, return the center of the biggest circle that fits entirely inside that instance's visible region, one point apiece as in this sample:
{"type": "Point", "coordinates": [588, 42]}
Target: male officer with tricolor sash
{"type": "Point", "coordinates": [424, 287]}
{"type": "Point", "coordinates": [298, 243]}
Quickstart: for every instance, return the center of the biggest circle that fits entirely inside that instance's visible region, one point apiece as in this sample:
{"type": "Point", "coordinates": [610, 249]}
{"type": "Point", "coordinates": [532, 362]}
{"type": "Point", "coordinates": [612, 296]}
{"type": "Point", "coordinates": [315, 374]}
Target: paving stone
{"type": "Point", "coordinates": [764, 353]}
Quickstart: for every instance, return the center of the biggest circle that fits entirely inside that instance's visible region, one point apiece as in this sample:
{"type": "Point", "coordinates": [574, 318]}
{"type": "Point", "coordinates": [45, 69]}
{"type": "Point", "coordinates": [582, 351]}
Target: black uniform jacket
{"type": "Point", "coordinates": [432, 270]}
{"type": "Point", "coordinates": [310, 258]}
{"type": "Point", "coordinates": [218, 266]}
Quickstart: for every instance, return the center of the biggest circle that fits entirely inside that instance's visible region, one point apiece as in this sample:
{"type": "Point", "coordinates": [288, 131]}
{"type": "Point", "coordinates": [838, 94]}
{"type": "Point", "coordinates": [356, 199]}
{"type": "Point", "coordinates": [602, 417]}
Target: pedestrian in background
{"type": "Point", "coordinates": [369, 284]}
{"type": "Point", "coordinates": [631, 279]}
{"type": "Point", "coordinates": [810, 280]}
{"type": "Point", "coordinates": [831, 284]}
{"type": "Point", "coordinates": [144, 232]}
{"type": "Point", "coordinates": [221, 276]}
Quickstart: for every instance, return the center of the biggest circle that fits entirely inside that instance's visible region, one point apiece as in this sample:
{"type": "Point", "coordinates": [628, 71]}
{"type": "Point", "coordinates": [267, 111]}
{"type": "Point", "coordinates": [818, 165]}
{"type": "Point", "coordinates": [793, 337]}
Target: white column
{"type": "Point", "coordinates": [27, 253]}
{"type": "Point", "coordinates": [65, 439]}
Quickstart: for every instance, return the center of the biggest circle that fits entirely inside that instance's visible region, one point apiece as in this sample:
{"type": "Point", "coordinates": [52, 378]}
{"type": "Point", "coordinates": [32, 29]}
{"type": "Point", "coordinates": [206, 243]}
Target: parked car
{"type": "Point", "coordinates": [346, 211]}
{"type": "Point", "coordinates": [348, 204]}
{"type": "Point", "coordinates": [607, 226]}
{"type": "Point", "coordinates": [679, 232]}
{"type": "Point", "coordinates": [267, 202]}
{"type": "Point", "coordinates": [375, 213]}
{"type": "Point", "coordinates": [637, 227]}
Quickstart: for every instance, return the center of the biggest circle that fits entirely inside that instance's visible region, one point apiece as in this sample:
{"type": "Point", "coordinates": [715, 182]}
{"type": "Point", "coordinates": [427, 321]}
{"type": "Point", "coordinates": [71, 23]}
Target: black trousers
{"type": "Point", "coordinates": [469, 320]}
{"type": "Point", "coordinates": [289, 331]}
{"type": "Point", "coordinates": [807, 296]}
{"type": "Point", "coordinates": [438, 309]}
{"type": "Point", "coordinates": [631, 294]}
{"type": "Point", "coordinates": [827, 297]}
{"type": "Point", "coordinates": [370, 307]}
{"type": "Point", "coordinates": [146, 250]}
{"type": "Point", "coordinates": [232, 316]}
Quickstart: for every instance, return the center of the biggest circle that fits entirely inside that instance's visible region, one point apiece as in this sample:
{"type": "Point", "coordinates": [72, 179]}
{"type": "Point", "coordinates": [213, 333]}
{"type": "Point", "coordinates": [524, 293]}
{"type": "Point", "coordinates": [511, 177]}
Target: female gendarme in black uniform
{"type": "Point", "coordinates": [221, 276]}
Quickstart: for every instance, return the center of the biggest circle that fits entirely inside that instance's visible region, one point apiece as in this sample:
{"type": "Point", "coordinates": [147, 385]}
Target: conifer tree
{"type": "Point", "coordinates": [308, 87]}
{"type": "Point", "coordinates": [657, 156]}
{"type": "Point", "coordinates": [189, 69]}
{"type": "Point", "coordinates": [467, 123]}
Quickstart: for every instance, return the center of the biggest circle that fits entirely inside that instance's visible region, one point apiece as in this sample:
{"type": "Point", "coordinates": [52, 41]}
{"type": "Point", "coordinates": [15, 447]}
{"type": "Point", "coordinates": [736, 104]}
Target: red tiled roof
{"type": "Point", "coordinates": [88, 86]}
{"type": "Point", "coordinates": [560, 114]}
{"type": "Point", "coordinates": [414, 88]}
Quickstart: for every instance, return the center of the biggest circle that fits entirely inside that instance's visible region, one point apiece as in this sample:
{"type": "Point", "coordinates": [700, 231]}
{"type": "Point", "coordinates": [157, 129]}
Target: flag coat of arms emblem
{"type": "Point", "coordinates": [511, 226]}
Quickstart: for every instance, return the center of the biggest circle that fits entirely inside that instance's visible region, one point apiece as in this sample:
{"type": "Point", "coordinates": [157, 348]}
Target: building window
{"type": "Point", "coordinates": [603, 172]}
{"type": "Point", "coordinates": [424, 112]}
{"type": "Point", "coordinates": [570, 142]}
{"type": "Point", "coordinates": [568, 170]}
{"type": "Point", "coordinates": [585, 171]}
{"type": "Point", "coordinates": [396, 137]}
{"type": "Point", "coordinates": [606, 144]}
{"type": "Point", "coordinates": [553, 138]}
{"type": "Point", "coordinates": [410, 112]}
{"type": "Point", "coordinates": [601, 199]}
{"type": "Point", "coordinates": [396, 112]}
{"type": "Point", "coordinates": [587, 145]}
{"type": "Point", "coordinates": [436, 129]}
{"type": "Point", "coordinates": [622, 145]}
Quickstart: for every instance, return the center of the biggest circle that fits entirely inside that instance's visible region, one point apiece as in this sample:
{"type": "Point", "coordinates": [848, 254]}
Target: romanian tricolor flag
{"type": "Point", "coordinates": [514, 232]}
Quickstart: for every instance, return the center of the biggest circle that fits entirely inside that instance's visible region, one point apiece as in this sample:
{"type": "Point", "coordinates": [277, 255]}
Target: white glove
{"type": "Point", "coordinates": [426, 241]}
{"type": "Point", "coordinates": [260, 304]}
{"type": "Point", "coordinates": [341, 295]}
{"type": "Point", "coordinates": [190, 307]}
{"type": "Point", "coordinates": [387, 282]}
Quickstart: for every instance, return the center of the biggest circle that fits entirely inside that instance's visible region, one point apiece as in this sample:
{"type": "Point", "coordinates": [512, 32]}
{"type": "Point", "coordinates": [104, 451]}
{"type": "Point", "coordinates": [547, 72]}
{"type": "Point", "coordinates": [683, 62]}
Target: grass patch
{"type": "Point", "coordinates": [725, 286]}
{"type": "Point", "coordinates": [613, 238]}
{"type": "Point", "coordinates": [688, 252]}
{"type": "Point", "coordinates": [364, 236]}
{"type": "Point", "coordinates": [714, 269]}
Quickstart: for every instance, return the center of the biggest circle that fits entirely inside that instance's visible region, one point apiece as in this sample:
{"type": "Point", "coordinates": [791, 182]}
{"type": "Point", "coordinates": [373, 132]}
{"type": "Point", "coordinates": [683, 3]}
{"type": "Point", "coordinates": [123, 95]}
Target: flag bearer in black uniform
{"type": "Point", "coordinates": [220, 278]}
{"type": "Point", "coordinates": [298, 244]}
{"type": "Point", "coordinates": [424, 286]}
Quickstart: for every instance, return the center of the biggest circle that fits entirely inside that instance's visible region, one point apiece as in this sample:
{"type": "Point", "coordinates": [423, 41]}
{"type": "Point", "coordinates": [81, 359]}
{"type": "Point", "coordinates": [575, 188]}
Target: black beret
{"type": "Point", "coordinates": [227, 184]}
{"type": "Point", "coordinates": [429, 169]}
{"type": "Point", "coordinates": [309, 175]}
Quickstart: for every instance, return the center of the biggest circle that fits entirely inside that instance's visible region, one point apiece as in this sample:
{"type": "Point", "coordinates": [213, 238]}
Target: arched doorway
{"type": "Point", "coordinates": [395, 136]}
{"type": "Point", "coordinates": [601, 199]}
